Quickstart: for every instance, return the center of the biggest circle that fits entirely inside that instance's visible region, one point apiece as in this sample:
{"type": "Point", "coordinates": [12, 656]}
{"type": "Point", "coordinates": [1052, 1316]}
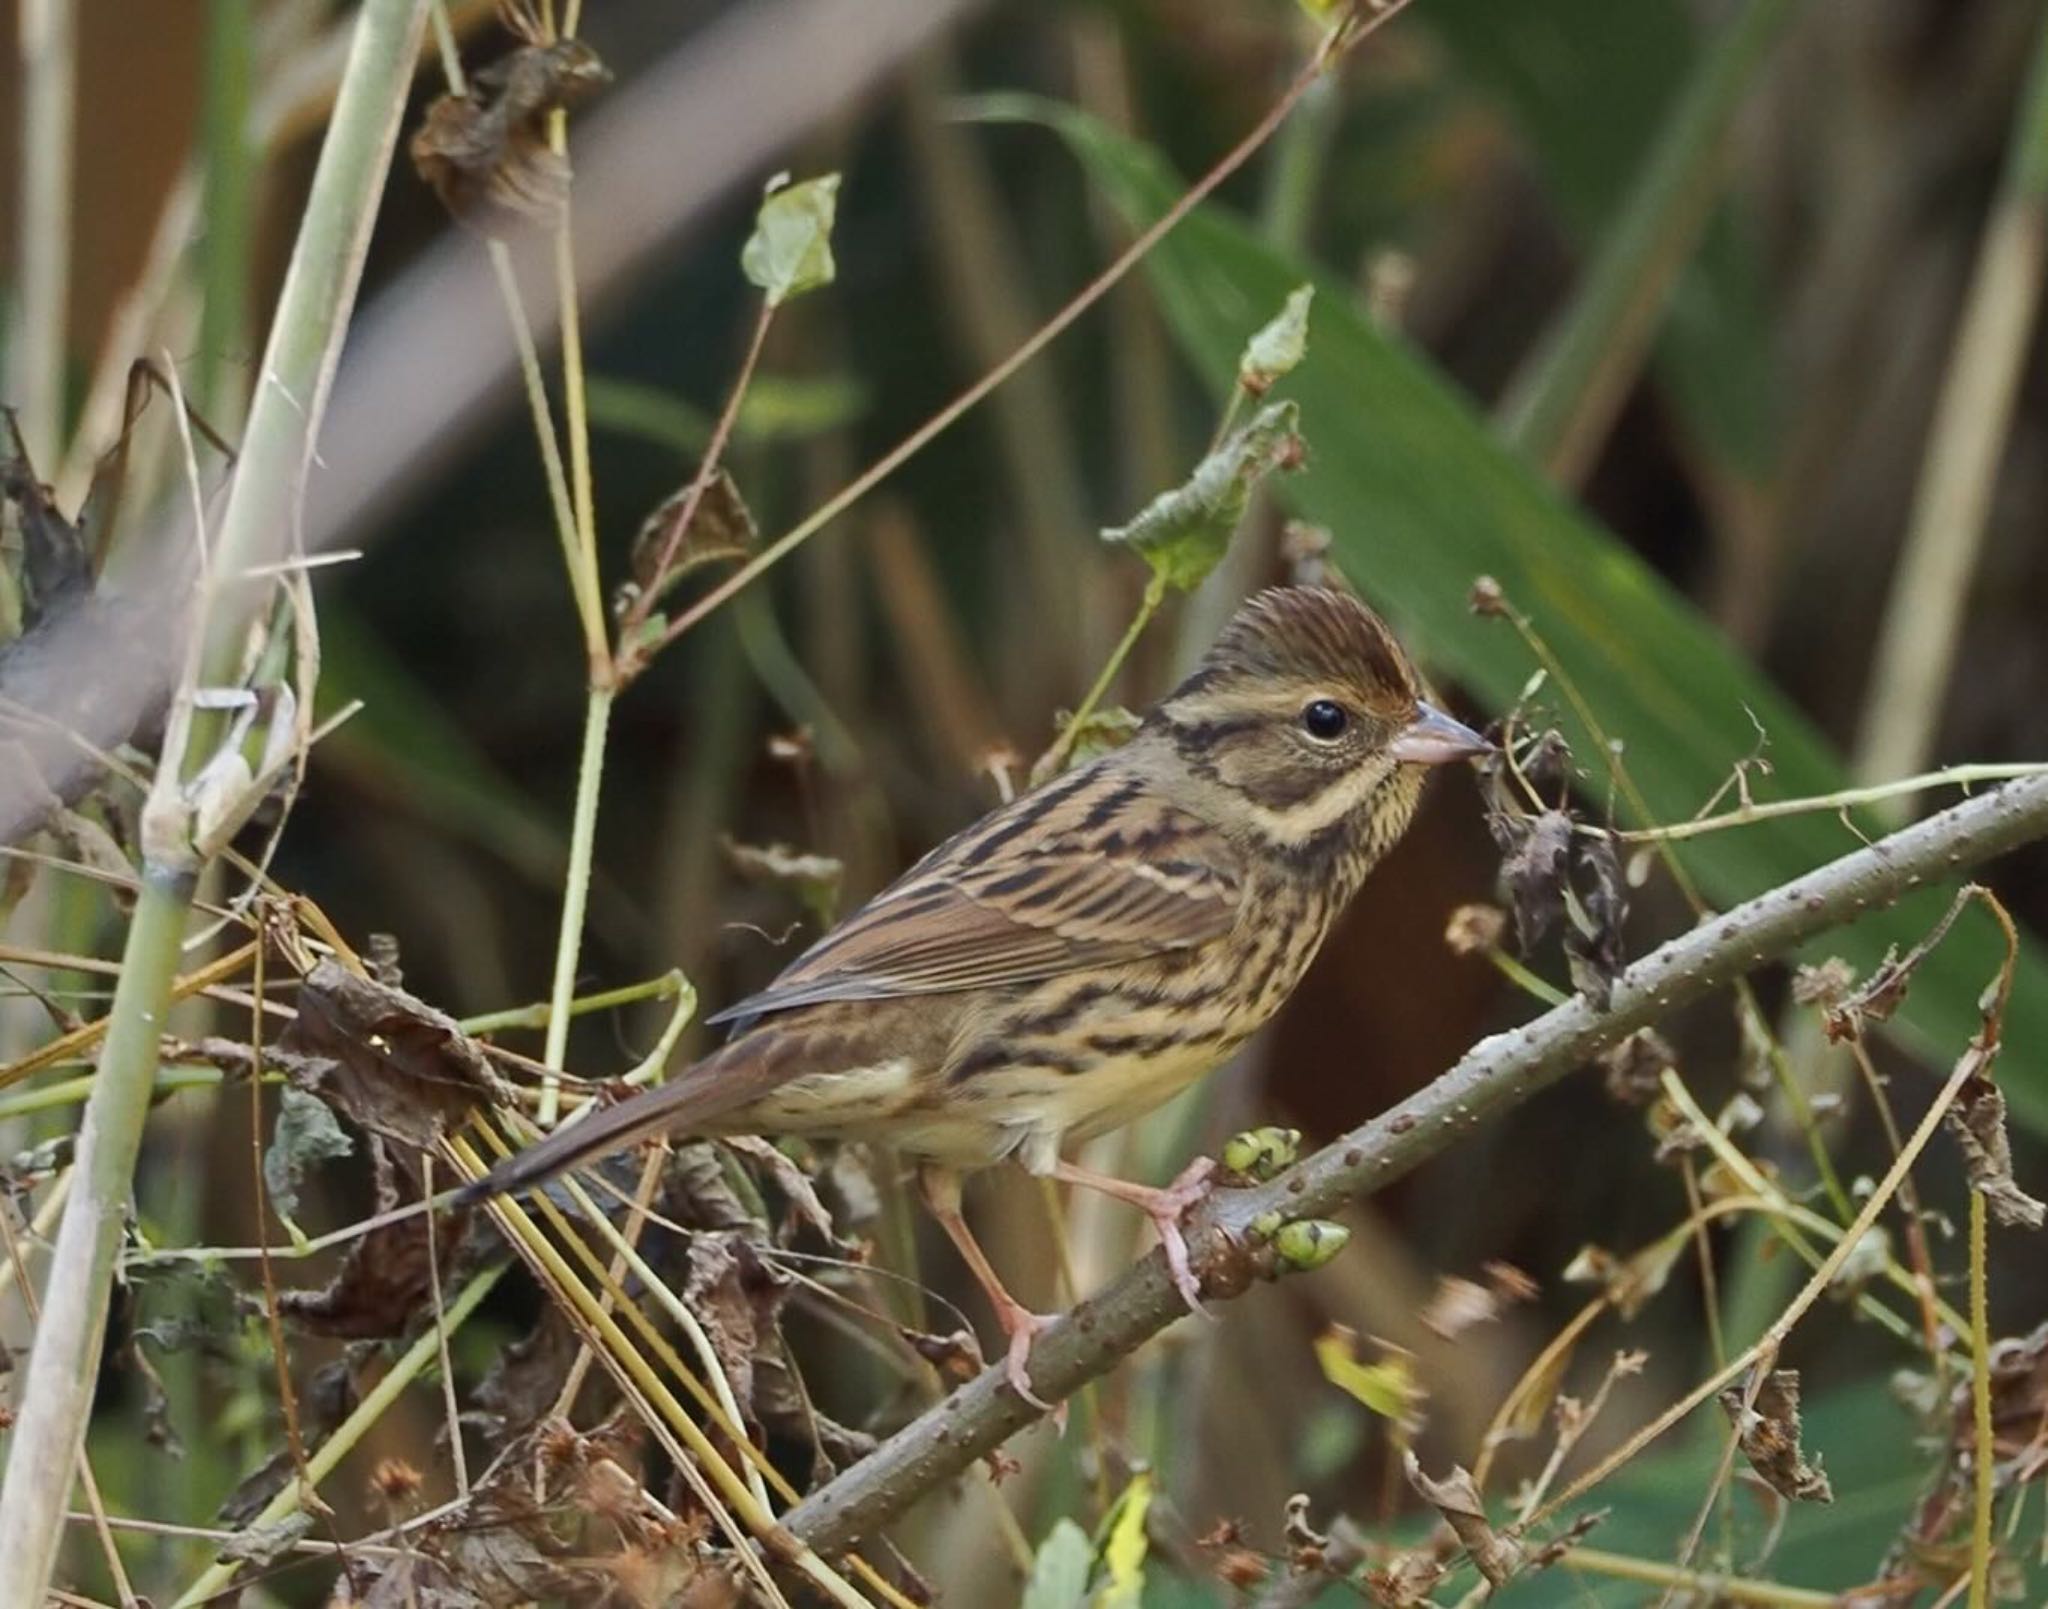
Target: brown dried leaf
{"type": "Point", "coordinates": [1769, 1433]}
{"type": "Point", "coordinates": [1599, 909]}
{"type": "Point", "coordinates": [721, 531]}
{"type": "Point", "coordinates": [526, 1377]}
{"type": "Point", "coordinates": [391, 1063]}
{"type": "Point", "coordinates": [385, 1285]}
{"type": "Point", "coordinates": [1826, 984]}
{"type": "Point", "coordinates": [1536, 860]}
{"type": "Point", "coordinates": [1406, 1580]}
{"type": "Point", "coordinates": [598, 1540]}
{"type": "Point", "coordinates": [796, 1186]}
{"type": "Point", "coordinates": [1631, 1281]}
{"type": "Point", "coordinates": [1475, 929]}
{"type": "Point", "coordinates": [956, 1356]}
{"type": "Point", "coordinates": [485, 152]}
{"type": "Point", "coordinates": [1634, 1069]}
{"type": "Point", "coordinates": [738, 1298]}
{"type": "Point", "coordinates": [56, 568]}
{"type": "Point", "coordinates": [1978, 1121]}
{"type": "Point", "coordinates": [1458, 1305]}
{"type": "Point", "coordinates": [1457, 1499]}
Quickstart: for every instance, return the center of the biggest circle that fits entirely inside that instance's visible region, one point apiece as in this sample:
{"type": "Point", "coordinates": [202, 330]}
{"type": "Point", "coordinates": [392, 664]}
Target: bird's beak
{"type": "Point", "coordinates": [1433, 738]}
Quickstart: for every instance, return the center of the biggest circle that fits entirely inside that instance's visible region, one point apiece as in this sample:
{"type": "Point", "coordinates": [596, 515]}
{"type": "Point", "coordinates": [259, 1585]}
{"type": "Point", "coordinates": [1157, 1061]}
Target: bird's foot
{"type": "Point", "coordinates": [1023, 1327]}
{"type": "Point", "coordinates": [1166, 1208]}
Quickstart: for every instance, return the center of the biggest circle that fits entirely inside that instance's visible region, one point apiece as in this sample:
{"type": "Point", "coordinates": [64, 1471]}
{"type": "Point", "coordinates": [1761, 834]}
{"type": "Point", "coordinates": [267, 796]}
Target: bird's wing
{"type": "Point", "coordinates": [1088, 871]}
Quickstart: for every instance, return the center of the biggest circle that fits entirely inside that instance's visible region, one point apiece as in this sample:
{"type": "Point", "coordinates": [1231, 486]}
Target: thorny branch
{"type": "Point", "coordinates": [1497, 1074]}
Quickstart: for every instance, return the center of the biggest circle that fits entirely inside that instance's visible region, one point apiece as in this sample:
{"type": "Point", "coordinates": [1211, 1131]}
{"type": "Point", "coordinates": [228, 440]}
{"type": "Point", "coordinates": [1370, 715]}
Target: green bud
{"type": "Point", "coordinates": [1261, 1153]}
{"type": "Point", "coordinates": [1267, 1225]}
{"type": "Point", "coordinates": [1309, 1243]}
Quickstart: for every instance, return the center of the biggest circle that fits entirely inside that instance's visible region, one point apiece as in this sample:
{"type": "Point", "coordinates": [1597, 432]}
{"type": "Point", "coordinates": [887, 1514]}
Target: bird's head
{"type": "Point", "coordinates": [1308, 721]}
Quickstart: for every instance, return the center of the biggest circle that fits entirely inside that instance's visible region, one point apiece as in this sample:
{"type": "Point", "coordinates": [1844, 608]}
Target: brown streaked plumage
{"type": "Point", "coordinates": [1081, 954]}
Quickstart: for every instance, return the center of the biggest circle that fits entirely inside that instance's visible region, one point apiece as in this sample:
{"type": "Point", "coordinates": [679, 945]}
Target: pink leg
{"type": "Point", "coordinates": [1020, 1325]}
{"type": "Point", "coordinates": [1163, 1207]}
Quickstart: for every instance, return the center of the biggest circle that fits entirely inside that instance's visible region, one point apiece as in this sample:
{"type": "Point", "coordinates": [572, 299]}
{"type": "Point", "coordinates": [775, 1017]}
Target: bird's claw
{"type": "Point", "coordinates": [1024, 1327]}
{"type": "Point", "coordinates": [1165, 1210]}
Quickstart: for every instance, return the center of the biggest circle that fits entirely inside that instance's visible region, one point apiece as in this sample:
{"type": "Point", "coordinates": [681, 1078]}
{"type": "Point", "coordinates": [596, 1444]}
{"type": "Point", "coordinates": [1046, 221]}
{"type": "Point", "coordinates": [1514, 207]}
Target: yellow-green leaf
{"type": "Point", "coordinates": [1389, 1387]}
{"type": "Point", "coordinates": [1123, 1554]}
{"type": "Point", "coordinates": [1278, 344]}
{"type": "Point", "coordinates": [790, 250]}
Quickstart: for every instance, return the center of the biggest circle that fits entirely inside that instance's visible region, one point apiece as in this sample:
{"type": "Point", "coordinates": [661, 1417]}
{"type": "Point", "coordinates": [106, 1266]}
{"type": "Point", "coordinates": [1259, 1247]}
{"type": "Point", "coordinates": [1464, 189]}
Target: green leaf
{"type": "Point", "coordinates": [1123, 1554]}
{"type": "Point", "coordinates": [1060, 1569]}
{"type": "Point", "coordinates": [1183, 533]}
{"type": "Point", "coordinates": [1279, 345]}
{"type": "Point", "coordinates": [1634, 62]}
{"type": "Point", "coordinates": [306, 1135]}
{"type": "Point", "coordinates": [1387, 1388]}
{"type": "Point", "coordinates": [790, 250]}
{"type": "Point", "coordinates": [1421, 500]}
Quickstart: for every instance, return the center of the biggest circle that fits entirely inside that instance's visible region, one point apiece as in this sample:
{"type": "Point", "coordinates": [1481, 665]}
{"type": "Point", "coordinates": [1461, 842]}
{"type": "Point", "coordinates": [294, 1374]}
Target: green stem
{"type": "Point", "coordinates": [298, 365]}
{"type": "Point", "coordinates": [421, 1355]}
{"type": "Point", "coordinates": [1063, 745]}
{"type": "Point", "coordinates": [665, 987]}
{"type": "Point", "coordinates": [1085, 298]}
{"type": "Point", "coordinates": [1722, 1589]}
{"type": "Point", "coordinates": [575, 892]}
{"type": "Point", "coordinates": [64, 1366]}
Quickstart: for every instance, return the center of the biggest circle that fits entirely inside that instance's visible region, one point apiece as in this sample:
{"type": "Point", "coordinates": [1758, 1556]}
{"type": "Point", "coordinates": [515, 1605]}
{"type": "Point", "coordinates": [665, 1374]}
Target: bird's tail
{"type": "Point", "coordinates": [683, 1105]}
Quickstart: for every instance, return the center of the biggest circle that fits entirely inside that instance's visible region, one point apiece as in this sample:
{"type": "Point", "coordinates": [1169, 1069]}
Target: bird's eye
{"type": "Point", "coordinates": [1324, 719]}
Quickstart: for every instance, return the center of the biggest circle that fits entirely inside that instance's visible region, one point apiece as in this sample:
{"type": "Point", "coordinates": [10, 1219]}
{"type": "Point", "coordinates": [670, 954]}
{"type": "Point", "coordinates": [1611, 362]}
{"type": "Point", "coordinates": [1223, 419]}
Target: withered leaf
{"type": "Point", "coordinates": [391, 1063]}
{"type": "Point", "coordinates": [1978, 1121]}
{"type": "Point", "coordinates": [327, 1399]}
{"type": "Point", "coordinates": [1474, 929]}
{"type": "Point", "coordinates": [1825, 983]}
{"type": "Point", "coordinates": [597, 1540]}
{"type": "Point", "coordinates": [1535, 863]}
{"type": "Point", "coordinates": [1458, 1305]}
{"type": "Point", "coordinates": [56, 567]}
{"type": "Point", "coordinates": [957, 1356]}
{"type": "Point", "coordinates": [721, 531]}
{"type": "Point", "coordinates": [305, 1135]}
{"type": "Point", "coordinates": [1407, 1580]}
{"type": "Point", "coordinates": [1457, 1499]}
{"type": "Point", "coordinates": [1633, 1070]}
{"type": "Point", "coordinates": [795, 1184]}
{"type": "Point", "coordinates": [1631, 1281]}
{"type": "Point", "coordinates": [485, 152]}
{"type": "Point", "coordinates": [385, 1284]}
{"type": "Point", "coordinates": [524, 1379]}
{"type": "Point", "coordinates": [1592, 940]}
{"type": "Point", "coordinates": [1769, 1434]}
{"type": "Point", "coordinates": [738, 1298]}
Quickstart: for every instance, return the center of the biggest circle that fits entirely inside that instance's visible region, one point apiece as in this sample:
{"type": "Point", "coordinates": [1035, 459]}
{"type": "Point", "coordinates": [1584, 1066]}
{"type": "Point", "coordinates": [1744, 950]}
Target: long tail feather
{"type": "Point", "coordinates": [680, 1106]}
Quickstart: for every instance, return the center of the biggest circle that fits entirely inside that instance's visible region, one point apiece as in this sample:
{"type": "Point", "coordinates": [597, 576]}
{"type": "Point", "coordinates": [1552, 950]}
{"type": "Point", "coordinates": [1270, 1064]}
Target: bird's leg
{"type": "Point", "coordinates": [941, 1190]}
{"type": "Point", "coordinates": [1163, 1207]}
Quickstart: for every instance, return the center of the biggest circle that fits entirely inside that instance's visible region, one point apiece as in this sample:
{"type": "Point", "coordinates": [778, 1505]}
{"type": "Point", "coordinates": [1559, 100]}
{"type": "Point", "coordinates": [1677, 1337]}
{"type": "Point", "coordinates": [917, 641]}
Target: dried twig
{"type": "Point", "coordinates": [1496, 1075]}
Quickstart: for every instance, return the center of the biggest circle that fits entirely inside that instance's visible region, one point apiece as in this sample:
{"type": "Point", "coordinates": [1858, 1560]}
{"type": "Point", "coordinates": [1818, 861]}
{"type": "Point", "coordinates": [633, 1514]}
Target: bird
{"type": "Point", "coordinates": [1085, 951]}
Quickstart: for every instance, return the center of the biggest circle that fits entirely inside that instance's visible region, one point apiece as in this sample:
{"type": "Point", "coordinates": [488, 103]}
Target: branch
{"type": "Point", "coordinates": [1496, 1074]}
